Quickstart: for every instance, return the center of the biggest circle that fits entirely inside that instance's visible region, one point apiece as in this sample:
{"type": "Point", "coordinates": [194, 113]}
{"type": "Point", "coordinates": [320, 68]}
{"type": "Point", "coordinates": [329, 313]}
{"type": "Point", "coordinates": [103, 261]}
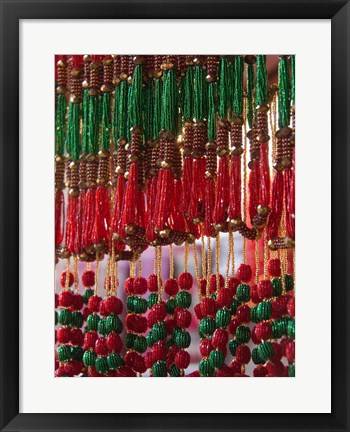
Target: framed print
{"type": "Point", "coordinates": [181, 175]}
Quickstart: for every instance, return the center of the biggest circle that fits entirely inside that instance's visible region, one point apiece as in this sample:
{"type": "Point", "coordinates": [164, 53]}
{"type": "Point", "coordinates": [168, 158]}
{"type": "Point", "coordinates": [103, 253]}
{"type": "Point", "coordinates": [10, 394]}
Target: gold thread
{"type": "Point", "coordinates": [228, 262]}
{"type": "Point", "coordinates": [171, 261]}
{"type": "Point", "coordinates": [204, 259]}
{"type": "Point", "coordinates": [155, 262]}
{"type": "Point", "coordinates": [186, 258]}
{"type": "Point", "coordinates": [66, 285]}
{"type": "Point", "coordinates": [96, 276]}
{"type": "Point", "coordinates": [75, 274]}
{"type": "Point", "coordinates": [244, 186]}
{"type": "Point", "coordinates": [257, 261]}
{"type": "Point", "coordinates": [159, 275]}
{"type": "Point", "coordinates": [139, 262]}
{"type": "Point", "coordinates": [266, 255]}
{"type": "Point", "coordinates": [232, 247]}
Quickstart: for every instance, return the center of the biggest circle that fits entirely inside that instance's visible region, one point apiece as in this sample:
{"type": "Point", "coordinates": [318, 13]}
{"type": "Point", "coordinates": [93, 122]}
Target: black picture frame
{"type": "Point", "coordinates": [11, 14]}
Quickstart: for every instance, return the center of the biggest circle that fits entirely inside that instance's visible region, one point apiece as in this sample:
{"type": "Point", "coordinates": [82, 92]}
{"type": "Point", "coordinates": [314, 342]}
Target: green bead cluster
{"type": "Point", "coordinates": [242, 334]}
{"type": "Point", "coordinates": [111, 323]}
{"type": "Point", "coordinates": [264, 310]}
{"type": "Point", "coordinates": [277, 286]}
{"type": "Point", "coordinates": [183, 339]}
{"type": "Point", "coordinates": [206, 327]}
{"type": "Point", "coordinates": [184, 299]}
{"type": "Point", "coordinates": [159, 369]}
{"type": "Point", "coordinates": [265, 351]}
{"type": "Point", "coordinates": [152, 300]}
{"type": "Point", "coordinates": [256, 357]}
{"type": "Point", "coordinates": [205, 368]}
{"type": "Point", "coordinates": [136, 304]}
{"type": "Point", "coordinates": [243, 293]}
{"type": "Point", "coordinates": [114, 361]}
{"type": "Point", "coordinates": [223, 318]}
{"type": "Point", "coordinates": [87, 294]}
{"type": "Point", "coordinates": [216, 359]}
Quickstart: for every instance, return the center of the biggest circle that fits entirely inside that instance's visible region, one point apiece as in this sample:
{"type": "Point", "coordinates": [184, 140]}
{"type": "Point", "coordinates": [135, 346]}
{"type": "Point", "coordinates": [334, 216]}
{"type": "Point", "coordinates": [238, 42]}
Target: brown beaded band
{"type": "Point", "coordinates": [281, 243]}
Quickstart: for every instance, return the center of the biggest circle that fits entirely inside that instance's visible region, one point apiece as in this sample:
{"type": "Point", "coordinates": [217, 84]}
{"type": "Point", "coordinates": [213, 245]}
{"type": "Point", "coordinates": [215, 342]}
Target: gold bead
{"type": "Point", "coordinates": [164, 233]}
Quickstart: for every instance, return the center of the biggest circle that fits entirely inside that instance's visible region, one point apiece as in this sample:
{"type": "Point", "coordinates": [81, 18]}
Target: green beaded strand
{"type": "Point", "coordinates": [106, 121]}
{"type": "Point", "coordinates": [60, 123]}
{"type": "Point", "coordinates": [261, 81]}
{"type": "Point", "coordinates": [283, 93]}
{"type": "Point", "coordinates": [238, 86]}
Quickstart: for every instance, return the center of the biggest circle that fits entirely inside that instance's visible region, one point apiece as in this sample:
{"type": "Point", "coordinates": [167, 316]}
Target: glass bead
{"type": "Point", "coordinates": [264, 310]}
{"type": "Point", "coordinates": [216, 358]}
{"type": "Point", "coordinates": [265, 350]}
{"type": "Point", "coordinates": [152, 300]}
{"type": "Point", "coordinates": [223, 318]}
{"type": "Point", "coordinates": [64, 353]}
{"type": "Point", "coordinates": [159, 331]}
{"type": "Point", "coordinates": [243, 293]}
{"type": "Point", "coordinates": [77, 319]}
{"type": "Point", "coordinates": [114, 361]}
{"type": "Point", "coordinates": [101, 365]}
{"type": "Point", "coordinates": [206, 327]}
{"type": "Point", "coordinates": [174, 371]}
{"type": "Point", "coordinates": [140, 344]}
{"type": "Point", "coordinates": [277, 286]}
{"type": "Point", "coordinates": [89, 358]}
{"type": "Point", "coordinates": [291, 329]}
{"type": "Point", "coordinates": [87, 294]}
{"type": "Point", "coordinates": [65, 317]}
{"type": "Point", "coordinates": [183, 339]}
{"type": "Point", "coordinates": [92, 322]}
{"type": "Point", "coordinates": [171, 306]}
{"type": "Point", "coordinates": [159, 369]}
{"type": "Point", "coordinates": [205, 368]}
{"type": "Point", "coordinates": [242, 334]}
{"type": "Point", "coordinates": [184, 299]}
{"type": "Point", "coordinates": [232, 346]}
{"type": "Point", "coordinates": [77, 353]}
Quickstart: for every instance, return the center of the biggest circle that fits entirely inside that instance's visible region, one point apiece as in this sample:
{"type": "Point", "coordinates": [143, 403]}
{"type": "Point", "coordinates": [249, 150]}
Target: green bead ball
{"type": "Point", "coordinates": [130, 340]}
{"type": "Point", "coordinates": [223, 318]}
{"type": "Point", "coordinates": [56, 317]}
{"type": "Point", "coordinates": [159, 369]}
{"type": "Point", "coordinates": [283, 325]}
{"type": "Point", "coordinates": [77, 319]}
{"type": "Point", "coordinates": [101, 365]}
{"type": "Point", "coordinates": [140, 344]}
{"type": "Point", "coordinates": [113, 323]}
{"type": "Point", "coordinates": [183, 339]}
{"type": "Point", "coordinates": [64, 353]}
{"type": "Point", "coordinates": [254, 316]}
{"type": "Point", "coordinates": [170, 306]}
{"type": "Point", "coordinates": [291, 370]}
{"type": "Point", "coordinates": [77, 353]}
{"type": "Point", "coordinates": [243, 293]}
{"type": "Point", "coordinates": [152, 300]}
{"type": "Point", "coordinates": [174, 371]}
{"type": "Point", "coordinates": [276, 330]}
{"type": "Point", "coordinates": [264, 310]}
{"type": "Point", "coordinates": [205, 368]}
{"type": "Point", "coordinates": [89, 358]}
{"type": "Point", "coordinates": [184, 299]}
{"type": "Point", "coordinates": [140, 305]}
{"type": "Point", "coordinates": [256, 357]}
{"type": "Point", "coordinates": [130, 304]}
{"type": "Point", "coordinates": [170, 342]}
{"type": "Point", "coordinates": [232, 346]}
{"type": "Point", "coordinates": [65, 317]}
{"type": "Point", "coordinates": [149, 339]}
{"type": "Point", "coordinates": [265, 350]}
{"type": "Point", "coordinates": [234, 306]}
{"type": "Point", "coordinates": [216, 358]}
{"type": "Point", "coordinates": [87, 294]}
{"type": "Point", "coordinates": [114, 361]}
{"type": "Point", "coordinates": [277, 286]}
{"type": "Point", "coordinates": [289, 282]}
{"type": "Point", "coordinates": [291, 329]}
{"type": "Point", "coordinates": [92, 322]}
{"type": "Point", "coordinates": [102, 327]}
{"type": "Point", "coordinates": [175, 331]}
{"type": "Point", "coordinates": [242, 334]}
{"type": "Point", "coordinates": [206, 327]}
{"type": "Point", "coordinates": [159, 331]}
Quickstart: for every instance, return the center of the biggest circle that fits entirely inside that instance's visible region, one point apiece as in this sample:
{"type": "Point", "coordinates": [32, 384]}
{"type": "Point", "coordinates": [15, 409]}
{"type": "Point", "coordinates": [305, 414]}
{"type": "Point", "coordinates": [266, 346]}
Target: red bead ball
{"type": "Point", "coordinates": [159, 311]}
{"type": "Point", "coordinates": [101, 346]}
{"type": "Point", "coordinates": [62, 372]}
{"type": "Point", "coordinates": [86, 313]}
{"type": "Point", "coordinates": [149, 360]}
{"type": "Point", "coordinates": [78, 302]}
{"type": "Point", "coordinates": [277, 350]}
{"type": "Point", "coordinates": [65, 298]}
{"type": "Point", "coordinates": [254, 295]}
{"type": "Point", "coordinates": [263, 331]}
{"type": "Point", "coordinates": [275, 368]}
{"type": "Point", "coordinates": [243, 314]}
{"type": "Point", "coordinates": [243, 355]}
{"type": "Point", "coordinates": [236, 366]}
{"type": "Point", "coordinates": [64, 277]}
{"type": "Point", "coordinates": [254, 337]}
{"type": "Point", "coordinates": [276, 308]}
{"type": "Point", "coordinates": [205, 347]}
{"type": "Point", "coordinates": [171, 287]}
{"type": "Point", "coordinates": [56, 300]}
{"type": "Point", "coordinates": [159, 350]}
{"type": "Point", "coordinates": [224, 371]}
{"type": "Point", "coordinates": [233, 284]}
{"type": "Point", "coordinates": [198, 311]}
{"type": "Point", "coordinates": [274, 267]}
{"type": "Point", "coordinates": [194, 374]}
{"type": "Point", "coordinates": [260, 371]}
{"type": "Point", "coordinates": [136, 323]}
{"type": "Point", "coordinates": [126, 371]}
{"type": "Point", "coordinates": [219, 339]}
{"type": "Point", "coordinates": [151, 319]}
{"type": "Point", "coordinates": [232, 327]}
{"type": "Point", "coordinates": [182, 359]}
{"type": "Point", "coordinates": [140, 285]}
{"type": "Point", "coordinates": [76, 366]}
{"type": "Point", "coordinates": [265, 289]}
{"type": "Point", "coordinates": [290, 351]}
{"type": "Point", "coordinates": [135, 361]}
{"type": "Point", "coordinates": [76, 337]}
{"type": "Point", "coordinates": [63, 335]}
{"type": "Point", "coordinates": [90, 339]}
{"type": "Point", "coordinates": [88, 278]}
{"type": "Point", "coordinates": [291, 306]}
{"type": "Point", "coordinates": [102, 309]}
{"type": "Point", "coordinates": [244, 272]}
{"type": "Point", "coordinates": [212, 283]}
{"type": "Point", "coordinates": [203, 286]}
{"type": "Point", "coordinates": [114, 342]}
{"type": "Point", "coordinates": [94, 303]}
{"type": "Point", "coordinates": [183, 318]}
{"type": "Point", "coordinates": [152, 283]}
{"type": "Point", "coordinates": [283, 300]}
{"type": "Point", "coordinates": [185, 280]}
{"type": "Point", "coordinates": [129, 286]}
{"type": "Point", "coordinates": [224, 298]}
{"type": "Point", "coordinates": [113, 305]}
{"type": "Point", "coordinates": [170, 324]}
{"type": "Point", "coordinates": [208, 307]}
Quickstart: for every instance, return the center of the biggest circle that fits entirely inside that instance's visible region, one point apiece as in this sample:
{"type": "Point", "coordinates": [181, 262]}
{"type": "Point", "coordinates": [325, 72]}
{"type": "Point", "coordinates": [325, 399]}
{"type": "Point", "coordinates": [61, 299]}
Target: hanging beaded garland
{"type": "Point", "coordinates": [175, 216]}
